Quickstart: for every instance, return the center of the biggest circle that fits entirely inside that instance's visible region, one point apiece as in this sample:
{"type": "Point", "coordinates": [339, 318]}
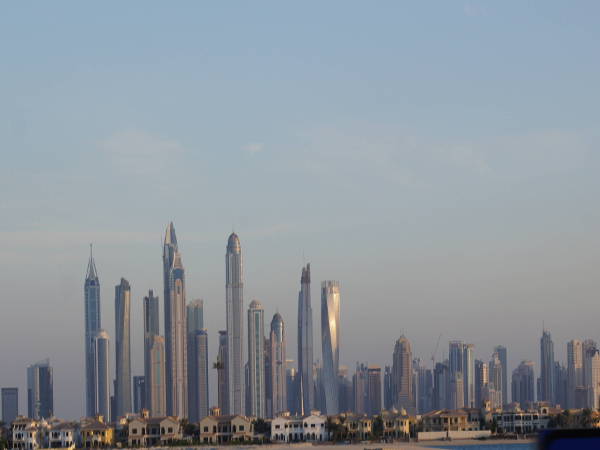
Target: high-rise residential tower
{"type": "Point", "coordinates": [502, 355]}
{"type": "Point", "coordinates": [330, 334]}
{"type": "Point", "coordinates": [151, 329]}
{"type": "Point", "coordinates": [234, 298]}
{"type": "Point", "coordinates": [102, 374]}
{"type": "Point", "coordinates": [175, 326]}
{"type": "Point", "coordinates": [469, 375]}
{"type": "Point", "coordinates": [156, 383]}
{"type": "Point", "coordinates": [374, 390]}
{"type": "Point", "coordinates": [197, 362]}
{"type": "Point", "coordinates": [495, 383]}
{"type": "Point", "coordinates": [481, 382]}
{"type": "Point", "coordinates": [10, 404]}
{"type": "Point", "coordinates": [123, 349]}
{"type": "Point", "coordinates": [574, 370]}
{"type": "Point", "coordinates": [546, 368]}
{"type": "Point", "coordinates": [305, 344]}
{"type": "Point", "coordinates": [40, 390]}
{"type": "Point", "coordinates": [523, 382]}
{"type": "Point", "coordinates": [402, 375]}
{"type": "Point", "coordinates": [277, 358]}
{"type": "Point", "coordinates": [256, 359]}
{"type": "Point", "coordinates": [91, 293]}
{"type": "Point", "coordinates": [221, 366]}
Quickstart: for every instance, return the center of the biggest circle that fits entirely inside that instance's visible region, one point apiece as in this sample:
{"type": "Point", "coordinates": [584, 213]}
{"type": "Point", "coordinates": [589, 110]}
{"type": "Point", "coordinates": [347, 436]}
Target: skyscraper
{"type": "Point", "coordinates": [388, 389]}
{"type": "Point", "coordinates": [151, 329]}
{"type": "Point", "coordinates": [546, 368]}
{"type": "Point", "coordinates": [502, 355]}
{"type": "Point", "coordinates": [469, 374]}
{"type": "Point", "coordinates": [457, 378]}
{"type": "Point", "coordinates": [402, 375]}
{"type": "Point", "coordinates": [374, 390]}
{"type": "Point", "coordinates": [495, 383]}
{"type": "Point", "coordinates": [122, 349]}
{"type": "Point", "coordinates": [441, 385]}
{"type": "Point", "coordinates": [256, 359]}
{"type": "Point", "coordinates": [234, 297]}
{"type": "Point", "coordinates": [10, 404]}
{"type": "Point", "coordinates": [305, 343]}
{"type": "Point", "coordinates": [40, 390]}
{"type": "Point", "coordinates": [221, 366]}
{"type": "Point", "coordinates": [330, 333]}
{"type": "Point", "coordinates": [139, 393]}
{"type": "Point", "coordinates": [277, 358]}
{"type": "Point", "coordinates": [197, 362]}
{"type": "Point", "coordinates": [102, 374]}
{"type": "Point", "coordinates": [175, 326]}
{"type": "Point", "coordinates": [156, 383]}
{"type": "Point", "coordinates": [593, 375]}
{"type": "Point", "coordinates": [574, 370]}
{"type": "Point", "coordinates": [360, 389]}
{"type": "Point", "coordinates": [91, 293]}
{"type": "Point", "coordinates": [481, 382]}
{"type": "Point", "coordinates": [523, 384]}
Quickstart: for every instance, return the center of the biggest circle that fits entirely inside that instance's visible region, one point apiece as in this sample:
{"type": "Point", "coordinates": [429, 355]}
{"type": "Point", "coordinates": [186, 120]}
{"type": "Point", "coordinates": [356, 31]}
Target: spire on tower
{"type": "Point", "coordinates": [91, 274]}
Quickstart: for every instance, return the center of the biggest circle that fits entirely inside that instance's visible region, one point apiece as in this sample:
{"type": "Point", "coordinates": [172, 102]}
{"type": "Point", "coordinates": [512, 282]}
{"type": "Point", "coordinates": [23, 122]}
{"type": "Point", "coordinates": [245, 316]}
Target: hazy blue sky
{"type": "Point", "coordinates": [440, 159]}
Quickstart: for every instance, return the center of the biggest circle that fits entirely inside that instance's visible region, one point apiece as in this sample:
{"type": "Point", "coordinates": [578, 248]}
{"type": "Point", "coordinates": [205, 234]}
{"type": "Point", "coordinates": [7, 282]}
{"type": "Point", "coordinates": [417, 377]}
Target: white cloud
{"type": "Point", "coordinates": [253, 147]}
{"type": "Point", "coordinates": [139, 152]}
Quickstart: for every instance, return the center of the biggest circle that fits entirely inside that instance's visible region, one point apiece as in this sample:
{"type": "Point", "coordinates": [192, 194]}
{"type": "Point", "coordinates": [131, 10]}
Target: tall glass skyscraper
{"type": "Point", "coordinates": [197, 362]}
{"type": "Point", "coordinates": [175, 326]}
{"type": "Point", "coordinates": [221, 366]}
{"type": "Point", "coordinates": [151, 329]}
{"type": "Point", "coordinates": [40, 390]}
{"type": "Point", "coordinates": [503, 356]}
{"type": "Point", "coordinates": [91, 293]}
{"type": "Point", "coordinates": [305, 344]}
{"type": "Point", "coordinates": [546, 368]}
{"type": "Point", "coordinates": [402, 376]}
{"type": "Point", "coordinates": [330, 333]}
{"type": "Point", "coordinates": [123, 349]}
{"type": "Point", "coordinates": [102, 375]}
{"type": "Point", "coordinates": [277, 376]}
{"type": "Point", "coordinates": [156, 384]}
{"type": "Point", "coordinates": [256, 359]}
{"type": "Point", "coordinates": [234, 298]}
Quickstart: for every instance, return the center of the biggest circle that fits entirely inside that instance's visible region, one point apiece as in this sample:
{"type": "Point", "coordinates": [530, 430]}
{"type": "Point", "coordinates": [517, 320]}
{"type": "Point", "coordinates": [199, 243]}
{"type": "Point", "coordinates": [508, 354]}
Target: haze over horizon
{"type": "Point", "coordinates": [439, 159]}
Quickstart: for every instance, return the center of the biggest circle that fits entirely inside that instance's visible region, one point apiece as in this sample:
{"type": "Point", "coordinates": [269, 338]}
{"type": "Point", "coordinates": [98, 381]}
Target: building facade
{"type": "Point", "coordinates": [402, 375]}
{"type": "Point", "coordinates": [156, 383]}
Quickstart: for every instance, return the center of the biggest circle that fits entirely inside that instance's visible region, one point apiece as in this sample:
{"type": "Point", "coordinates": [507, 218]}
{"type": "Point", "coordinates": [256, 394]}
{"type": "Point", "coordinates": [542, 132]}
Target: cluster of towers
{"type": "Point", "coordinates": [175, 380]}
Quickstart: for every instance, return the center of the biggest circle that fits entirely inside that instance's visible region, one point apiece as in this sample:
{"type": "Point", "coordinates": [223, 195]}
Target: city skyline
{"type": "Point", "coordinates": [443, 169]}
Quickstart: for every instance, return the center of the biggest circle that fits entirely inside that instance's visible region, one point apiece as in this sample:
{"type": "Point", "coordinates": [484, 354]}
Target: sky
{"type": "Point", "coordinates": [439, 159]}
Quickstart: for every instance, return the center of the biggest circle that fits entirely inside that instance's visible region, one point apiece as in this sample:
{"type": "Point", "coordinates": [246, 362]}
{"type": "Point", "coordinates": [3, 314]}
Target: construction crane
{"type": "Point", "coordinates": [437, 345]}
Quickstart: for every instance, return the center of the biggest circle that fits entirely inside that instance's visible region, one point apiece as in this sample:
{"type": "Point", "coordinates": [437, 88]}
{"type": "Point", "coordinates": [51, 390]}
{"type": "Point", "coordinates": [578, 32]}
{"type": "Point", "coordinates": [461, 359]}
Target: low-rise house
{"type": "Point", "coordinates": [63, 435]}
{"type": "Point", "coordinates": [147, 431]}
{"type": "Point", "coordinates": [395, 425]}
{"type": "Point", "coordinates": [28, 434]}
{"type": "Point", "coordinates": [312, 428]}
{"type": "Point", "coordinates": [465, 419]}
{"type": "Point", "coordinates": [96, 434]}
{"type": "Point", "coordinates": [358, 427]}
{"type": "Point", "coordinates": [521, 421]}
{"type": "Point", "coordinates": [223, 429]}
